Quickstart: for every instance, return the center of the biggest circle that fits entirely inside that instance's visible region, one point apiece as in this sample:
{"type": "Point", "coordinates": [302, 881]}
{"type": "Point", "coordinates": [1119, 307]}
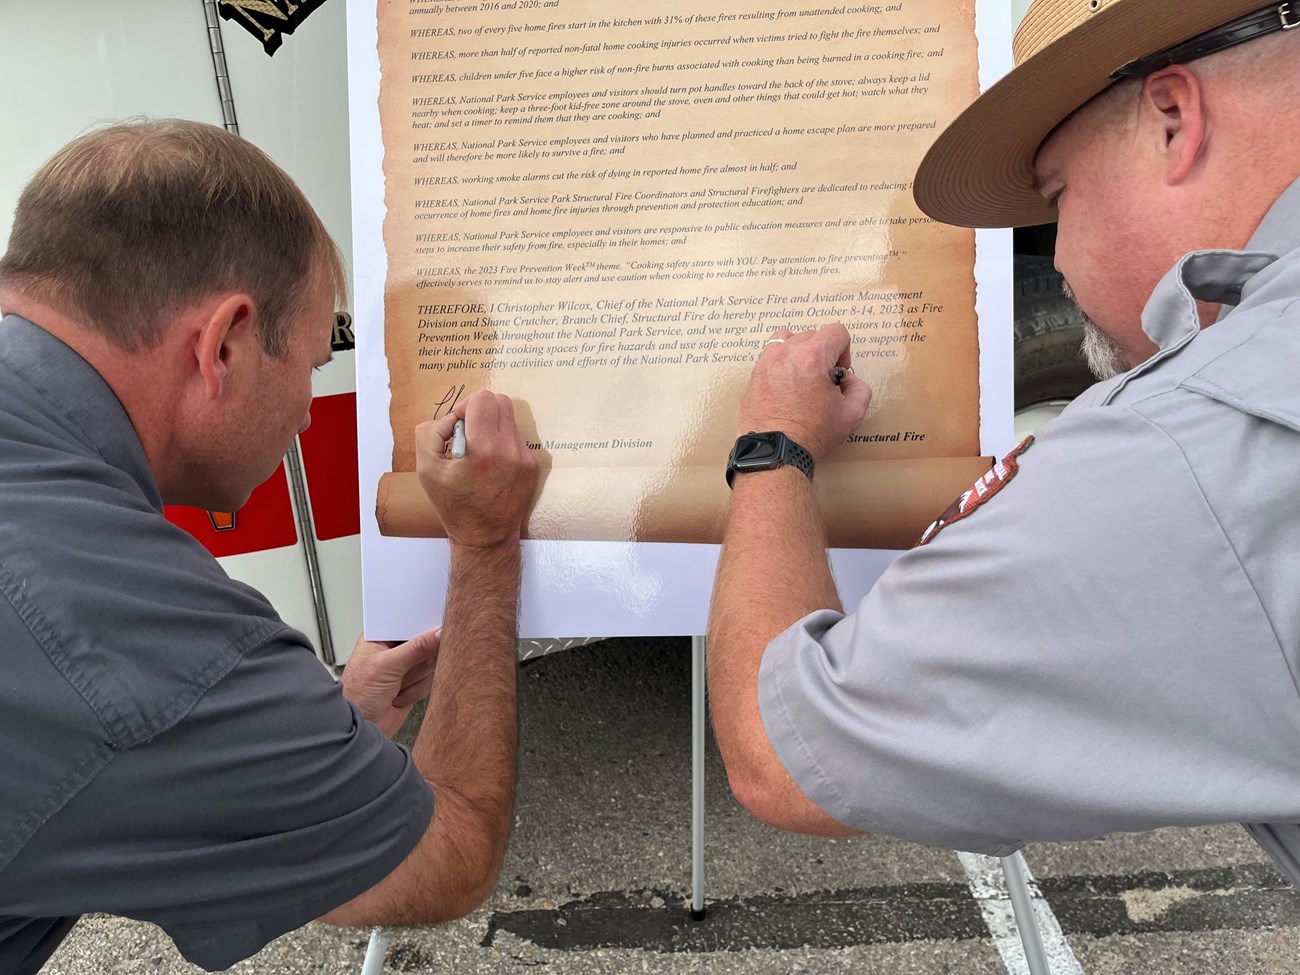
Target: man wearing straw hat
{"type": "Point", "coordinates": [1110, 641]}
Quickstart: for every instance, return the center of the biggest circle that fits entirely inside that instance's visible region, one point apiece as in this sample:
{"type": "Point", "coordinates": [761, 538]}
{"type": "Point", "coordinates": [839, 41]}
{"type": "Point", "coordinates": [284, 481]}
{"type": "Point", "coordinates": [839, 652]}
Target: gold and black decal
{"type": "Point", "coordinates": [268, 20]}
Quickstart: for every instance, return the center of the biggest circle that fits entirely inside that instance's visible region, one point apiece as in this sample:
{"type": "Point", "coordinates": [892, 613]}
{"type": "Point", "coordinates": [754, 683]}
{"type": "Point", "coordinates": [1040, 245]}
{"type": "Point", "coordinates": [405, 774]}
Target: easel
{"type": "Point", "coordinates": [1012, 866]}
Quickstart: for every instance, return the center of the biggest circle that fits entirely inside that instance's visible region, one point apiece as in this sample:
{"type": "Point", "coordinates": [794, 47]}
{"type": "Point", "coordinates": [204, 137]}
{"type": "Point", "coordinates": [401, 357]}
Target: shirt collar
{"type": "Point", "coordinates": [78, 398]}
{"type": "Point", "coordinates": [1225, 277]}
{"type": "Point", "coordinates": [1277, 231]}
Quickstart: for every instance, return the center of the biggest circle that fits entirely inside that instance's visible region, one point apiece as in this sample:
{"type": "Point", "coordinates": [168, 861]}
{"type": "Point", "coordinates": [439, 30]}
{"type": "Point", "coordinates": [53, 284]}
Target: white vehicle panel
{"type": "Point", "coordinates": [87, 62]}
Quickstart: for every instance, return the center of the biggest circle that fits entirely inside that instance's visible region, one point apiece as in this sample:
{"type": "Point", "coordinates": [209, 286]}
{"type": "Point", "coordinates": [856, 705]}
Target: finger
{"type": "Point", "coordinates": [832, 341]}
{"type": "Point", "coordinates": [427, 643]}
{"type": "Point", "coordinates": [415, 652]}
{"type": "Point", "coordinates": [841, 340]}
{"type": "Point", "coordinates": [414, 691]}
{"type": "Point", "coordinates": [408, 697]}
{"type": "Point", "coordinates": [440, 430]}
{"type": "Point", "coordinates": [510, 427]}
{"type": "Point", "coordinates": [770, 346]}
{"type": "Point", "coordinates": [857, 394]}
{"type": "Point", "coordinates": [419, 673]}
{"type": "Point", "coordinates": [417, 685]}
{"type": "Point", "coordinates": [363, 652]}
{"type": "Point", "coordinates": [482, 414]}
{"type": "Point", "coordinates": [505, 411]}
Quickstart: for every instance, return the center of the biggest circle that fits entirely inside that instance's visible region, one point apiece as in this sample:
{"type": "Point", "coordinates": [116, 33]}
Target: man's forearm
{"type": "Point", "coordinates": [465, 749]}
{"type": "Point", "coordinates": [772, 572]}
{"type": "Point", "coordinates": [467, 745]}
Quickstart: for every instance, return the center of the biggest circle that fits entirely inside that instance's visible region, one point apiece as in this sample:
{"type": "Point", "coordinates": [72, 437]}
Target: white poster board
{"type": "Point", "coordinates": [628, 587]}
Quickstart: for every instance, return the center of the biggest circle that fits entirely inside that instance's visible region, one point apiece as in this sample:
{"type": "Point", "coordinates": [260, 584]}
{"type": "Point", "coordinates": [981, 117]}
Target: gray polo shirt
{"type": "Point", "coordinates": [1104, 635]}
{"type": "Point", "coordinates": [173, 751]}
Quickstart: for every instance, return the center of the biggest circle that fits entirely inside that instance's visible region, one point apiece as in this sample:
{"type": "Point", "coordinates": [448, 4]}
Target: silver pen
{"type": "Point", "coordinates": [458, 440]}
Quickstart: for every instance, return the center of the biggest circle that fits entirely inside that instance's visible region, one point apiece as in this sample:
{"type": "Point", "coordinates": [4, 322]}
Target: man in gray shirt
{"type": "Point", "coordinates": [1103, 634]}
{"type": "Point", "coordinates": [173, 751]}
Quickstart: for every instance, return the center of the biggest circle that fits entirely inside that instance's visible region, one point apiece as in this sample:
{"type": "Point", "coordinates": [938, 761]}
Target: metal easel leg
{"type": "Point", "coordinates": [698, 684]}
{"type": "Point", "coordinates": [375, 952]}
{"type": "Point", "coordinates": [1018, 888]}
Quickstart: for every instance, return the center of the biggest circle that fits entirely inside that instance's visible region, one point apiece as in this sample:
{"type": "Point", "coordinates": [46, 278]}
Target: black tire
{"type": "Point", "coordinates": [1049, 363]}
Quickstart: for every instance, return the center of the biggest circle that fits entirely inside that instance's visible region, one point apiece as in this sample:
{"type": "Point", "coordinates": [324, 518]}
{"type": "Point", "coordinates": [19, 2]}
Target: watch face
{"type": "Point", "coordinates": [757, 451]}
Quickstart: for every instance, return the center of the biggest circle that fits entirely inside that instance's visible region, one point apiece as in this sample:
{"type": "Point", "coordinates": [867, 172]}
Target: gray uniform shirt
{"type": "Point", "coordinates": [1110, 640]}
{"type": "Point", "coordinates": [172, 750]}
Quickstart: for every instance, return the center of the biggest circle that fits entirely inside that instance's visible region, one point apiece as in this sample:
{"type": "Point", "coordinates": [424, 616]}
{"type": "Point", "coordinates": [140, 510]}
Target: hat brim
{"type": "Point", "coordinates": [980, 171]}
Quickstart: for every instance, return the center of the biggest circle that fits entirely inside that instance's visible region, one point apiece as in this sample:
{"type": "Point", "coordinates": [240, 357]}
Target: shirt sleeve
{"type": "Point", "coordinates": [272, 802]}
{"type": "Point", "coordinates": [1080, 655]}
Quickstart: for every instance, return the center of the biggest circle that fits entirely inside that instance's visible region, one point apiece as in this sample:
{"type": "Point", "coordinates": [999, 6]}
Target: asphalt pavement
{"type": "Point", "coordinates": [598, 877]}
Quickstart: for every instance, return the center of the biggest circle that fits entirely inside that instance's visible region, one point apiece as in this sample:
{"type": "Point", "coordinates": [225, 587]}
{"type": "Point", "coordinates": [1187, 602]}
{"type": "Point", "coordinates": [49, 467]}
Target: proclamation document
{"type": "Point", "coordinates": [605, 211]}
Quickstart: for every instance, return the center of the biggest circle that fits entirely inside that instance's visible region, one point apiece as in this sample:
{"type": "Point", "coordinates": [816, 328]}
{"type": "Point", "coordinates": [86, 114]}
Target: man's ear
{"type": "Point", "coordinates": [1175, 101]}
{"type": "Point", "coordinates": [227, 335]}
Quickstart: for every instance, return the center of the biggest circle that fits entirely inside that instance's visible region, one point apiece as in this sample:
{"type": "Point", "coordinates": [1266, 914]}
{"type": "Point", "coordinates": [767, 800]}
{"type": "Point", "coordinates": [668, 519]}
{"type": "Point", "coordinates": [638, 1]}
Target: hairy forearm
{"type": "Point", "coordinates": [772, 572]}
{"type": "Point", "coordinates": [466, 747]}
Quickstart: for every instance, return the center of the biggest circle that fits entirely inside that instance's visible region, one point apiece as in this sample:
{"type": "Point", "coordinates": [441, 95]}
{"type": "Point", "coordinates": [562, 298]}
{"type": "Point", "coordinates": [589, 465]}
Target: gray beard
{"type": "Point", "coordinates": [1099, 349]}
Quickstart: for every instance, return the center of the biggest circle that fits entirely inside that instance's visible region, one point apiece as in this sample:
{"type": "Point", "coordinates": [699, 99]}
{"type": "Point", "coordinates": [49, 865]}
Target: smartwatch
{"type": "Point", "coordinates": [766, 452]}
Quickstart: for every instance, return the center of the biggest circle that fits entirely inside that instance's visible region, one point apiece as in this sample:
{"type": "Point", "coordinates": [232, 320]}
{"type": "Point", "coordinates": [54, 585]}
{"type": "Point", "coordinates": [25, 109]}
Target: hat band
{"type": "Point", "coordinates": [1282, 16]}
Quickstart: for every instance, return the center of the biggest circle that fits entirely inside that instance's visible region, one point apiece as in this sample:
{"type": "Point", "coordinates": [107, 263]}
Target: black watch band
{"type": "Point", "coordinates": [766, 452]}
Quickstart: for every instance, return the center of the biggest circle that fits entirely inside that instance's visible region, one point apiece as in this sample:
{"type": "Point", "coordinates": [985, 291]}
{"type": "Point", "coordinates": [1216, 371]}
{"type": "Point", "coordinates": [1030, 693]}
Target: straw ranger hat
{"type": "Point", "coordinates": [979, 173]}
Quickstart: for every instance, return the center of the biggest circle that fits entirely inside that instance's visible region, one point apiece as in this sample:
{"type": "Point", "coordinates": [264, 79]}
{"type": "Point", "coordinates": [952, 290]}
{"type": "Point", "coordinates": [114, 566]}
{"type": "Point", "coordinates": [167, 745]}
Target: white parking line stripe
{"type": "Point", "coordinates": [989, 888]}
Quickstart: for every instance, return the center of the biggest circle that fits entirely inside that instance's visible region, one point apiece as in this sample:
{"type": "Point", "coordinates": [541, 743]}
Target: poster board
{"type": "Point", "coordinates": [604, 215]}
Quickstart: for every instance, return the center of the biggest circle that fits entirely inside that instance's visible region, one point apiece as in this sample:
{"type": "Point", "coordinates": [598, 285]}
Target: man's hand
{"type": "Point", "coordinates": [384, 680]}
{"type": "Point", "coordinates": [482, 499]}
{"type": "Point", "coordinates": [791, 390]}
